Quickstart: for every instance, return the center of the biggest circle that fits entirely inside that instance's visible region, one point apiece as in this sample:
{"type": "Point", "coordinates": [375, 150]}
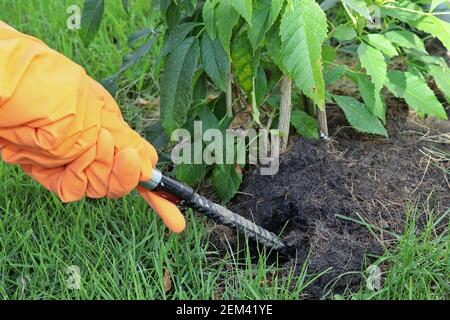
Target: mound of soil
{"type": "Point", "coordinates": [352, 174]}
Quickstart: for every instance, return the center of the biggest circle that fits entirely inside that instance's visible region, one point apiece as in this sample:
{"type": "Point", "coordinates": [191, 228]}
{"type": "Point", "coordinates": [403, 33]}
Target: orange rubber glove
{"type": "Point", "coordinates": [66, 131]}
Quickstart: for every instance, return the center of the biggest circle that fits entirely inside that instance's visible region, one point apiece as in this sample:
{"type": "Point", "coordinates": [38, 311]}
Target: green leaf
{"type": "Point", "coordinates": [436, 27]}
{"type": "Point", "coordinates": [358, 6]}
{"type": "Point", "coordinates": [260, 22]}
{"type": "Point", "coordinates": [132, 59]}
{"type": "Point", "coordinates": [303, 30]}
{"type": "Point", "coordinates": [125, 6]}
{"type": "Point", "coordinates": [208, 18]}
{"type": "Point", "coordinates": [273, 45]}
{"type": "Point", "coordinates": [359, 117]}
{"type": "Point", "coordinates": [208, 118]}
{"type": "Point", "coordinates": [164, 6]}
{"type": "Point", "coordinates": [156, 134]}
{"type": "Point", "coordinates": [332, 74]}
{"type": "Point", "coordinates": [244, 8]}
{"type": "Point", "coordinates": [412, 14]}
{"type": "Point", "coordinates": [344, 32]}
{"type": "Point", "coordinates": [260, 85]}
{"type": "Point", "coordinates": [173, 15]}
{"type": "Point", "coordinates": [442, 78]}
{"type": "Point", "coordinates": [275, 10]}
{"type": "Point", "coordinates": [110, 83]}
{"type": "Point", "coordinates": [177, 35]}
{"type": "Point", "coordinates": [405, 39]}
{"type": "Point", "coordinates": [265, 14]}
{"type": "Point", "coordinates": [416, 93]}
{"type": "Point", "coordinates": [328, 4]}
{"type": "Point", "coordinates": [404, 11]}
{"type": "Point", "coordinates": [415, 71]}
{"type": "Point", "coordinates": [136, 36]}
{"type": "Point", "coordinates": [226, 181]}
{"type": "Point", "coordinates": [215, 61]}
{"type": "Point", "coordinates": [425, 59]}
{"type": "Point", "coordinates": [189, 7]}
{"type": "Point", "coordinates": [176, 84]}
{"type": "Point", "coordinates": [200, 90]}
{"type": "Point", "coordinates": [382, 43]}
{"type": "Point", "coordinates": [367, 91]}
{"type": "Point", "coordinates": [305, 125]}
{"type": "Point", "coordinates": [227, 18]}
{"type": "Point", "coordinates": [243, 64]}
{"type": "Point", "coordinates": [190, 173]}
{"type": "Point", "coordinates": [91, 19]}
{"type": "Point", "coordinates": [256, 114]}
{"type": "Point", "coordinates": [328, 53]}
{"type": "Point", "coordinates": [373, 61]}
{"type": "Point", "coordinates": [193, 172]}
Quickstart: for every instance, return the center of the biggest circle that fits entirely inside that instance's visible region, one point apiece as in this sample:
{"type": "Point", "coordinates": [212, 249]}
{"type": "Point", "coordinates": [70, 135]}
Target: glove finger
{"type": "Point", "coordinates": [125, 173]}
{"type": "Point", "coordinates": [166, 210]}
{"type": "Point", "coordinates": [48, 177]}
{"type": "Point", "coordinates": [100, 170]}
{"type": "Point", "coordinates": [125, 137]}
{"type": "Point", "coordinates": [3, 143]}
{"type": "Point", "coordinates": [14, 154]}
{"type": "Point", "coordinates": [69, 182]}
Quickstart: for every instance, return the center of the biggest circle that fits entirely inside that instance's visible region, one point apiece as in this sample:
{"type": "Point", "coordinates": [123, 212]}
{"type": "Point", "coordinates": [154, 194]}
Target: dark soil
{"type": "Point", "coordinates": [352, 174]}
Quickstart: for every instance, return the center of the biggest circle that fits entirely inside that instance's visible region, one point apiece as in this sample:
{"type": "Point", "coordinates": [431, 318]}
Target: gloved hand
{"type": "Point", "coordinates": [66, 131]}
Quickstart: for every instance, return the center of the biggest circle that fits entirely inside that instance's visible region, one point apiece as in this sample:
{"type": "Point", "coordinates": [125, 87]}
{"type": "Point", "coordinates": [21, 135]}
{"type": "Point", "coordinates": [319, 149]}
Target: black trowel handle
{"type": "Point", "coordinates": [169, 188]}
{"type": "Point", "coordinates": [178, 192]}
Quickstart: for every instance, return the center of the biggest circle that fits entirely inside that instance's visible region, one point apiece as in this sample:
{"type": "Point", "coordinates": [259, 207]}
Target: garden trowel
{"type": "Point", "coordinates": [181, 194]}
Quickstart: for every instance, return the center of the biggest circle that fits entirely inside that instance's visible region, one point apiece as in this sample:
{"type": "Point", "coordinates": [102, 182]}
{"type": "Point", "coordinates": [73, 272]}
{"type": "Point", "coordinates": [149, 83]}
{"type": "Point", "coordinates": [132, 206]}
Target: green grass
{"type": "Point", "coordinates": [416, 264]}
{"type": "Point", "coordinates": [121, 249]}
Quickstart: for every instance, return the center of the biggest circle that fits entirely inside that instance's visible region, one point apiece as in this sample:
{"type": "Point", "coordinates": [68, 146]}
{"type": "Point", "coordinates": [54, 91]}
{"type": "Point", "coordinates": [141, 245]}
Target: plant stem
{"type": "Point", "coordinates": [285, 110]}
{"type": "Point", "coordinates": [323, 125]}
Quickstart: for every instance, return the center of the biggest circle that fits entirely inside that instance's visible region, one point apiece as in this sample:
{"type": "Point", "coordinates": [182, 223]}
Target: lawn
{"type": "Point", "coordinates": [102, 249]}
{"type": "Point", "coordinates": [120, 249]}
